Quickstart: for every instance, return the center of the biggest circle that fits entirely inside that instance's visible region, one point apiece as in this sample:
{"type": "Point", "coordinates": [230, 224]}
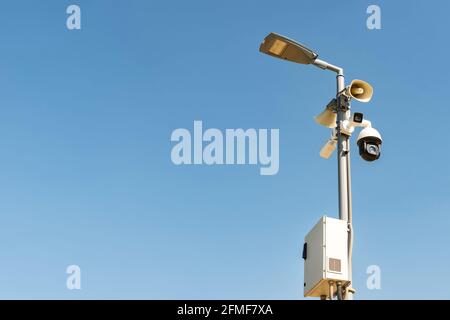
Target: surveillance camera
{"type": "Point", "coordinates": [358, 117]}
{"type": "Point", "coordinates": [369, 143]}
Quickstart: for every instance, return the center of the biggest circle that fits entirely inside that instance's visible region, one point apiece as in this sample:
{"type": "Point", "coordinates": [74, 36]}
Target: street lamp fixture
{"type": "Point", "coordinates": [281, 47]}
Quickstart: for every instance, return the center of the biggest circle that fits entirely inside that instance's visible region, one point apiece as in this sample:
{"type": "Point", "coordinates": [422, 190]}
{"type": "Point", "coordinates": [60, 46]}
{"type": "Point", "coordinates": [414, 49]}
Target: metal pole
{"type": "Point", "coordinates": [343, 154]}
{"type": "Point", "coordinates": [344, 182]}
{"type": "Point", "coordinates": [349, 295]}
{"type": "Point", "coordinates": [342, 151]}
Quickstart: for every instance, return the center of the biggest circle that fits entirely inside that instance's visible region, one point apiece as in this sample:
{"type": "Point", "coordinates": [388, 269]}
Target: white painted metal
{"type": "Point", "coordinates": [326, 256]}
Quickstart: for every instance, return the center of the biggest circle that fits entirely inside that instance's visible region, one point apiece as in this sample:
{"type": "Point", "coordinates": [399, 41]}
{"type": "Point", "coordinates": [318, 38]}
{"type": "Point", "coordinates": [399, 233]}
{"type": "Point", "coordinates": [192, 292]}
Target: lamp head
{"type": "Point", "coordinates": [284, 48]}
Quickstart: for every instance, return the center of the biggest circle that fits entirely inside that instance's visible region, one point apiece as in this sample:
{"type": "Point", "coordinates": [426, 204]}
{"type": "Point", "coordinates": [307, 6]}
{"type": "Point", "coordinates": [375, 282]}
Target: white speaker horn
{"type": "Point", "coordinates": [359, 90]}
{"type": "Point", "coordinates": [327, 118]}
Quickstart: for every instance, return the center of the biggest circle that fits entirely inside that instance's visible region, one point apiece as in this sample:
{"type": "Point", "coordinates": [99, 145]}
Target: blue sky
{"type": "Point", "coordinates": [87, 179]}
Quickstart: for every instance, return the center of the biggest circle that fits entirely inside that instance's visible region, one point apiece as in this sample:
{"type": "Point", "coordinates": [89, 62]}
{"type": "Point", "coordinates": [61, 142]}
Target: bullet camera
{"type": "Point", "coordinates": [358, 117]}
{"type": "Point", "coordinates": [369, 143]}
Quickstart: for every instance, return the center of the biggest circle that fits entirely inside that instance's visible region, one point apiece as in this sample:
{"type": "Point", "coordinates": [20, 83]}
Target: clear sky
{"type": "Point", "coordinates": [86, 176]}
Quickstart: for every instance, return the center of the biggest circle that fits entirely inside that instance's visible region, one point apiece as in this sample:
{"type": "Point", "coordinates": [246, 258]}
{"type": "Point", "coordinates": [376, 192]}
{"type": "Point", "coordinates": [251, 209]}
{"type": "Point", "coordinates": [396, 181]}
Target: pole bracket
{"type": "Point", "coordinates": [344, 102]}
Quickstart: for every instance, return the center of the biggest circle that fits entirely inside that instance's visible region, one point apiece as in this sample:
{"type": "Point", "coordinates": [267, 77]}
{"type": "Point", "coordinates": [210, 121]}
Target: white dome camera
{"type": "Point", "coordinates": [369, 143]}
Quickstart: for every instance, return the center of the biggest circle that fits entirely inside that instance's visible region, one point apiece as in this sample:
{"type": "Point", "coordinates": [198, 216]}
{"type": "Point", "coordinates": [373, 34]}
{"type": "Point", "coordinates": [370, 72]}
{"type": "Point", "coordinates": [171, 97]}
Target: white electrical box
{"type": "Point", "coordinates": [325, 253]}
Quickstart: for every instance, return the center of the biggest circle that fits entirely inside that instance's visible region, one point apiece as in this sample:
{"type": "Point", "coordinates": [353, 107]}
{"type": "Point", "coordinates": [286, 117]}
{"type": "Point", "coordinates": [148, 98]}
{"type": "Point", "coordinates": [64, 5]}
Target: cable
{"type": "Point", "coordinates": [350, 222]}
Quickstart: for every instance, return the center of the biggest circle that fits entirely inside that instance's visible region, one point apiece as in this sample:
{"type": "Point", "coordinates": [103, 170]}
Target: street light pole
{"type": "Point", "coordinates": [343, 113]}
{"type": "Point", "coordinates": [343, 157]}
{"type": "Point", "coordinates": [343, 151]}
{"type": "Point", "coordinates": [344, 171]}
{"type": "Point", "coordinates": [337, 115]}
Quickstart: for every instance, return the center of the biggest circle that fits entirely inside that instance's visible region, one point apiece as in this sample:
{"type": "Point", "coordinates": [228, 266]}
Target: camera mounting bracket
{"type": "Point", "coordinates": [344, 102]}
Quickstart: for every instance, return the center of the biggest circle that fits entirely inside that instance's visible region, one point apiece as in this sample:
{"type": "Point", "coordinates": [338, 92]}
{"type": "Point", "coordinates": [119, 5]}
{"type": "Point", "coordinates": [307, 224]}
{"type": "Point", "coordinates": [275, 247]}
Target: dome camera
{"type": "Point", "coordinates": [369, 143]}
